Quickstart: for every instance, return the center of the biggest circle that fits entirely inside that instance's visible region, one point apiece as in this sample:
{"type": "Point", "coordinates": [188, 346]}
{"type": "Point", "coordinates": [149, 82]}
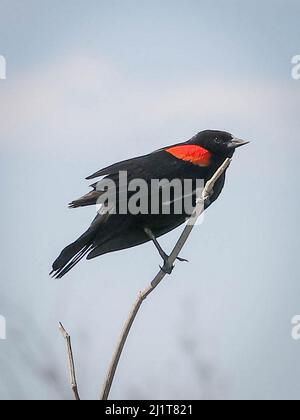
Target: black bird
{"type": "Point", "coordinates": [198, 158]}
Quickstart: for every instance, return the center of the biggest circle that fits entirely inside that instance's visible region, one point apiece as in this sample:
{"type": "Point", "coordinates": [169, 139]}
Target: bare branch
{"type": "Point", "coordinates": [71, 362]}
{"type": "Point", "coordinates": [158, 278]}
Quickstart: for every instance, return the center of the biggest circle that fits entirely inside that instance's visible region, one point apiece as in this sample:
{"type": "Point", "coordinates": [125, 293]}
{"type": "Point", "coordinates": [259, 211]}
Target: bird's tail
{"type": "Point", "coordinates": [88, 199]}
{"type": "Point", "coordinates": [72, 254]}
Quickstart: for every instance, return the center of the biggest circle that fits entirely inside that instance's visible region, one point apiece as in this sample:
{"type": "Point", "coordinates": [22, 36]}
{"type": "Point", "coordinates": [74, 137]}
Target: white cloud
{"type": "Point", "coordinates": [83, 96]}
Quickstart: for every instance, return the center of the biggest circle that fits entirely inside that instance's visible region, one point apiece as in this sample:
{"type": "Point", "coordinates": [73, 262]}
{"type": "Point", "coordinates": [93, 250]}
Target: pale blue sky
{"type": "Point", "coordinates": [92, 82]}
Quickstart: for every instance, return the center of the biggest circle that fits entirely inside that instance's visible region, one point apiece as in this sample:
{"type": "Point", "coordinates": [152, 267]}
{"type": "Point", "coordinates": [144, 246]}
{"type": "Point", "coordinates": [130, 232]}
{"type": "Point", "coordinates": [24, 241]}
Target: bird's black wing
{"type": "Point", "coordinates": [119, 166]}
{"type": "Point", "coordinates": [130, 164]}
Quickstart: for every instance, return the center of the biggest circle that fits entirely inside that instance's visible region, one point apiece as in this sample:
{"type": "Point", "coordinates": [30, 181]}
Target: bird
{"type": "Point", "coordinates": [195, 159]}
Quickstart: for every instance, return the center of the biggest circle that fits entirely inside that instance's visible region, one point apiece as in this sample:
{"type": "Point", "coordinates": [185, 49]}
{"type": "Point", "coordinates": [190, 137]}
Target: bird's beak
{"type": "Point", "coordinates": [235, 142]}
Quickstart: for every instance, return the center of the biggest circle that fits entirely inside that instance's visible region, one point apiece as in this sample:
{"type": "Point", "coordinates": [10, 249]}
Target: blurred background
{"type": "Point", "coordinates": [92, 82]}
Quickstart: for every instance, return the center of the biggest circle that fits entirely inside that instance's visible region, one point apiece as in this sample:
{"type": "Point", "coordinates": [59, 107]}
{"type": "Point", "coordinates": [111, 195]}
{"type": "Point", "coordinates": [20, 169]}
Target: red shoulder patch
{"type": "Point", "coordinates": [191, 153]}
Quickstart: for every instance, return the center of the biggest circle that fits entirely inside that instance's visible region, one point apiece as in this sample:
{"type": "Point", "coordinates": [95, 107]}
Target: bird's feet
{"type": "Point", "coordinates": [182, 259]}
{"type": "Point", "coordinates": [167, 267]}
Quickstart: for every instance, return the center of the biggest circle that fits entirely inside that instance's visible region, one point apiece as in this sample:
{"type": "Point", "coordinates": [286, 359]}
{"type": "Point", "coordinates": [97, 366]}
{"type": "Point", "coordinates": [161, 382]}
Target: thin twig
{"type": "Point", "coordinates": [159, 277]}
{"type": "Point", "coordinates": [71, 362]}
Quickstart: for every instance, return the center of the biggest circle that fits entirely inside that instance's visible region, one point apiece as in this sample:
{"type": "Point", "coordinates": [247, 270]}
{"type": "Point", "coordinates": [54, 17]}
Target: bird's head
{"type": "Point", "coordinates": [218, 142]}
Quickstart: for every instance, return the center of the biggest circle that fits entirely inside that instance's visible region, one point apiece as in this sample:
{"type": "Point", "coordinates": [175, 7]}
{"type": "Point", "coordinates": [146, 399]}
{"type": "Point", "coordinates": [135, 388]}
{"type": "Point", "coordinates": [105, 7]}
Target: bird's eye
{"type": "Point", "coordinates": [218, 140]}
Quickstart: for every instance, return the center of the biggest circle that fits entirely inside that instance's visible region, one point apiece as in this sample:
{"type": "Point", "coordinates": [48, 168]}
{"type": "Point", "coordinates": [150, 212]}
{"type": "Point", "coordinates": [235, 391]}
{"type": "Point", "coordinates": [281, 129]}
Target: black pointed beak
{"type": "Point", "coordinates": [235, 142]}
